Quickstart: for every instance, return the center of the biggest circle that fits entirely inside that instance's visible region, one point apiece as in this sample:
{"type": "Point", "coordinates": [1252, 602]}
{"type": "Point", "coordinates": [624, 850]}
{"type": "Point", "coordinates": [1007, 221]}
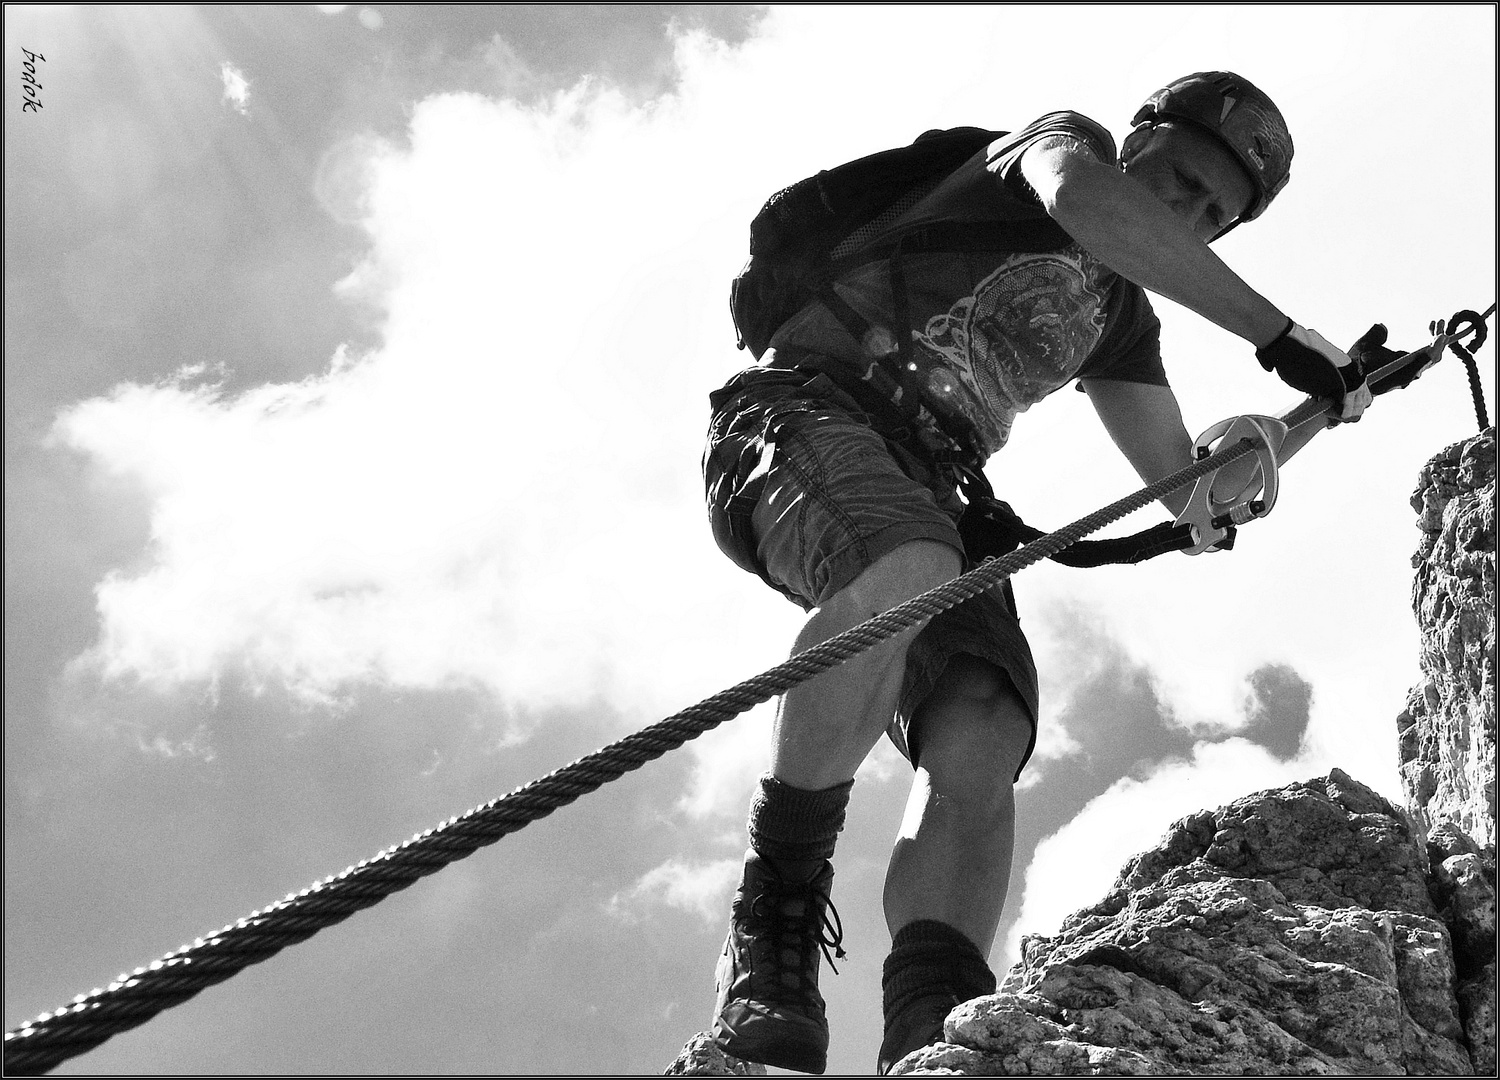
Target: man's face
{"type": "Point", "coordinates": [1195, 176]}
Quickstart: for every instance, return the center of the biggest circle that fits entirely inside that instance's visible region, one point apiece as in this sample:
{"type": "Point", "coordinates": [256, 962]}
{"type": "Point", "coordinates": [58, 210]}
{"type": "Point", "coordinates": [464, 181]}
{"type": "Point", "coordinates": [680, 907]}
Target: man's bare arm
{"type": "Point", "coordinates": [1145, 422]}
{"type": "Point", "coordinates": [1138, 237]}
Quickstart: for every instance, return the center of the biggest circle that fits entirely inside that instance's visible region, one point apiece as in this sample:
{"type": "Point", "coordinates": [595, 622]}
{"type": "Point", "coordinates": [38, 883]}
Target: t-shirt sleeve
{"type": "Point", "coordinates": [1130, 350]}
{"type": "Point", "coordinates": [1004, 156]}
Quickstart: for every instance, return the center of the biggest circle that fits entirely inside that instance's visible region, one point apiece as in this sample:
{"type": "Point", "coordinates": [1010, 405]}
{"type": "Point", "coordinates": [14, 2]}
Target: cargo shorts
{"type": "Point", "coordinates": [805, 491]}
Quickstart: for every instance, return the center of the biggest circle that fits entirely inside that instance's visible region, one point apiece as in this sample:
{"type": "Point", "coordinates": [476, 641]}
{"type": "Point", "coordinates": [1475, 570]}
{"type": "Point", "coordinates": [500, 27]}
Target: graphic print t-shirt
{"type": "Point", "coordinates": [995, 331]}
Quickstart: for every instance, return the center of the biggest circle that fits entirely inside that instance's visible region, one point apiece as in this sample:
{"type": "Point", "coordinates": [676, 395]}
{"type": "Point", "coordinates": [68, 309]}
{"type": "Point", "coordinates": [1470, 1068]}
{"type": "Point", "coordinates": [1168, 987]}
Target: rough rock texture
{"type": "Point", "coordinates": [1447, 732]}
{"type": "Point", "coordinates": [700, 1057]}
{"type": "Point", "coordinates": [1462, 883]}
{"type": "Point", "coordinates": [1287, 934]}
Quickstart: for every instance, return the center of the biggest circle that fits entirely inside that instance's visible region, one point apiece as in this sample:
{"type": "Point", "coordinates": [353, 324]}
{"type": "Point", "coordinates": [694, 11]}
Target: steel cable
{"type": "Point", "coordinates": [90, 1019]}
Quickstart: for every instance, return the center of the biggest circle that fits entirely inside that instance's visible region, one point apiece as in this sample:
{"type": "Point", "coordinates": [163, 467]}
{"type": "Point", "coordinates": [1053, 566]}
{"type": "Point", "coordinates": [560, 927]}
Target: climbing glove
{"type": "Point", "coordinates": [1371, 353]}
{"type": "Point", "coordinates": [1305, 360]}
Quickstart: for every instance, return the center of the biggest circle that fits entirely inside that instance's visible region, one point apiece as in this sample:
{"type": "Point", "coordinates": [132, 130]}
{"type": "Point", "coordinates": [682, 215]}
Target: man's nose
{"type": "Point", "coordinates": [1192, 207]}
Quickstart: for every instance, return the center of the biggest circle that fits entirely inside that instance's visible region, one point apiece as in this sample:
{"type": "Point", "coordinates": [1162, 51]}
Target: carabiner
{"type": "Point", "coordinates": [1212, 520]}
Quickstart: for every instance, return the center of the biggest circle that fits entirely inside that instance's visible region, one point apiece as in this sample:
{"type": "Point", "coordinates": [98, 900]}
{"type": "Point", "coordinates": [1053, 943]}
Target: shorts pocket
{"type": "Point", "coordinates": [751, 413]}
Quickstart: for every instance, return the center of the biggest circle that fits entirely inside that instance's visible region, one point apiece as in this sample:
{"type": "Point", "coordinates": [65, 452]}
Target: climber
{"type": "Point", "coordinates": [843, 495]}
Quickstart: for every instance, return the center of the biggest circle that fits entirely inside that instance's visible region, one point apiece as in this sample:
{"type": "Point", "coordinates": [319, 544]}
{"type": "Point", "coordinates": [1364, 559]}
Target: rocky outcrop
{"type": "Point", "coordinates": [1462, 882]}
{"type": "Point", "coordinates": [1447, 732]}
{"type": "Point", "coordinates": [1287, 934]}
{"type": "Point", "coordinates": [700, 1057]}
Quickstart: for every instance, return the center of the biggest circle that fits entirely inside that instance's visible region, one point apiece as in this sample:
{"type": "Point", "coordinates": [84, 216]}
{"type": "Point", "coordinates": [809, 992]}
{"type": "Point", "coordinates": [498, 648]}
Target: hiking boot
{"type": "Point", "coordinates": [769, 1008]}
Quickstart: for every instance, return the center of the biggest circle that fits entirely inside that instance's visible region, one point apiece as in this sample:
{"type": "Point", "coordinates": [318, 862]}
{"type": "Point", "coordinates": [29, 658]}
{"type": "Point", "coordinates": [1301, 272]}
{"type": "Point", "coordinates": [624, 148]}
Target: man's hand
{"type": "Point", "coordinates": [1370, 350]}
{"type": "Point", "coordinates": [1307, 361]}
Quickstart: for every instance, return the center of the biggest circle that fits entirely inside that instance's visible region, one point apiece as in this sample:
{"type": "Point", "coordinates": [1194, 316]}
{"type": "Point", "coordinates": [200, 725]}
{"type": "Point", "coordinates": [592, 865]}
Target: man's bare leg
{"type": "Point", "coordinates": [950, 870]}
{"type": "Point", "coordinates": [952, 859]}
{"type": "Point", "coordinates": [769, 1008]}
{"type": "Point", "coordinates": [827, 726]}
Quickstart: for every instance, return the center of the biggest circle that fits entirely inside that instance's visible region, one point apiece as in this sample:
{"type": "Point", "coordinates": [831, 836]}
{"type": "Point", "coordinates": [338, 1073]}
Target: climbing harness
{"type": "Point", "coordinates": [41, 1044]}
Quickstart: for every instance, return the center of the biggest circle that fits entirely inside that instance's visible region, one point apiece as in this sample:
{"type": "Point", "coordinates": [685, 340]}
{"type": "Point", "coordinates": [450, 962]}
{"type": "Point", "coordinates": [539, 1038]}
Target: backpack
{"type": "Point", "coordinates": [801, 234]}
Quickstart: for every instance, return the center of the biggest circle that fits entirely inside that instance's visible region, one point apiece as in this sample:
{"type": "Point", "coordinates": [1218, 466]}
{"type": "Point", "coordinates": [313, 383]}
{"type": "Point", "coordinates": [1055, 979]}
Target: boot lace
{"type": "Point", "coordinates": [795, 917]}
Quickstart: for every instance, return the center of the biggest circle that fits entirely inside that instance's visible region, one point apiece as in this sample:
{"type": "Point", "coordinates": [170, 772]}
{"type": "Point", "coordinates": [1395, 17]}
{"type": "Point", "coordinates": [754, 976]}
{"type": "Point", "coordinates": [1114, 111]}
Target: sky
{"type": "Point", "coordinates": [356, 377]}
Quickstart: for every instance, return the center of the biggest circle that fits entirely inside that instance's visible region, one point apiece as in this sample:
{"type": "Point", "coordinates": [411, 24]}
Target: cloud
{"type": "Point", "coordinates": [1075, 866]}
{"type": "Point", "coordinates": [1105, 710]}
{"type": "Point", "coordinates": [1104, 720]}
{"type": "Point", "coordinates": [701, 889]}
{"type": "Point", "coordinates": [730, 761]}
{"type": "Point", "coordinates": [236, 88]}
{"type": "Point", "coordinates": [197, 746]}
{"type": "Point", "coordinates": [503, 494]}
{"type": "Point", "coordinates": [345, 171]}
{"type": "Point", "coordinates": [1278, 708]}
{"type": "Point", "coordinates": [371, 19]}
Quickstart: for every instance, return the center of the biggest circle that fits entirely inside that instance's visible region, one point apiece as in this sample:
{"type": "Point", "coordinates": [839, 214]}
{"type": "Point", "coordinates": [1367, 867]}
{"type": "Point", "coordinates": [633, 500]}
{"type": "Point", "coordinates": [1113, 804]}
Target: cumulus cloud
{"type": "Point", "coordinates": [1104, 711]}
{"type": "Point", "coordinates": [503, 494]}
{"type": "Point", "coordinates": [236, 87]}
{"type": "Point", "coordinates": [1075, 866]}
{"type": "Point", "coordinates": [700, 889]}
{"type": "Point", "coordinates": [1104, 719]}
{"type": "Point", "coordinates": [196, 747]}
{"type": "Point", "coordinates": [1277, 709]}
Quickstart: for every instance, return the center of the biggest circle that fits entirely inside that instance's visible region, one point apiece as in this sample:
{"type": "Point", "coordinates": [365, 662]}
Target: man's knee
{"type": "Point", "coordinates": [973, 729]}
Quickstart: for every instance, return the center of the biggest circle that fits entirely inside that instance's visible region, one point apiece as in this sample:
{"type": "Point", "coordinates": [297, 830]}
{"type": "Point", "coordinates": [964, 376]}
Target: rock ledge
{"type": "Point", "coordinates": [1287, 934]}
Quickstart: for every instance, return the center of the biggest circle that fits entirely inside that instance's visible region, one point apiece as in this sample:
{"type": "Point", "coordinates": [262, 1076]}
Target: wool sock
{"type": "Point", "coordinates": [795, 829]}
{"type": "Point", "coordinates": [930, 959]}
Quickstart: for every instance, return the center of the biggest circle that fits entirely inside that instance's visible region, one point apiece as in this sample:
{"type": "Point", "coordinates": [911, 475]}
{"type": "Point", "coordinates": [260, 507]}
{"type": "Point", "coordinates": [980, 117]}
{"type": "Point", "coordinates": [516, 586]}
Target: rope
{"type": "Point", "coordinates": [1475, 390]}
{"type": "Point", "coordinates": [1472, 323]}
{"type": "Point", "coordinates": [40, 1044]}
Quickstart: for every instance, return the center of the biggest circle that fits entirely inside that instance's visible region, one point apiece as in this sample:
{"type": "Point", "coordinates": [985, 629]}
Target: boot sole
{"type": "Point", "coordinates": [772, 1047]}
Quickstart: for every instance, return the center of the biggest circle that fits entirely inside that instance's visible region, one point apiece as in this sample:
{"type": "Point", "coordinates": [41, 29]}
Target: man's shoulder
{"type": "Point", "coordinates": [1062, 123]}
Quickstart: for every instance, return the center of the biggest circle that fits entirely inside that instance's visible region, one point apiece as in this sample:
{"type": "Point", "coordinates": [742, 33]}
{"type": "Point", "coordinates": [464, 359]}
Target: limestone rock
{"type": "Point", "coordinates": [700, 1057]}
{"type": "Point", "coordinates": [1476, 1004]}
{"type": "Point", "coordinates": [1447, 732]}
{"type": "Point", "coordinates": [1289, 933]}
{"type": "Point", "coordinates": [1463, 887]}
